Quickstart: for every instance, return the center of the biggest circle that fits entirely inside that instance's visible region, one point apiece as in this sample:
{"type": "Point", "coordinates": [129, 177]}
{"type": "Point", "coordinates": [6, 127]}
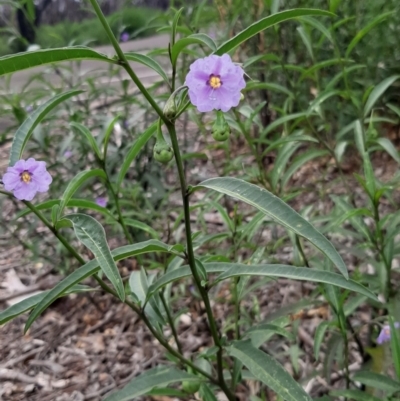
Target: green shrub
{"type": "Point", "coordinates": [90, 31]}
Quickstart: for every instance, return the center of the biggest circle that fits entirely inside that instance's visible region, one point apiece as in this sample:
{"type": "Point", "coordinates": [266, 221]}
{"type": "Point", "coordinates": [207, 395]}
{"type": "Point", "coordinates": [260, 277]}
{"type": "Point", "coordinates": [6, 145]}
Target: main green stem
{"type": "Point", "coordinates": [185, 197]}
{"type": "Point", "coordinates": [122, 60]}
{"type": "Point", "coordinates": [192, 262]}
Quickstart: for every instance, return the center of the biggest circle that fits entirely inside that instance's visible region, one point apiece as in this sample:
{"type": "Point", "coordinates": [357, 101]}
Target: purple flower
{"type": "Point", "coordinates": [215, 83]}
{"type": "Point", "coordinates": [26, 178]}
{"type": "Point", "coordinates": [101, 201]}
{"type": "Point", "coordinates": [384, 335]}
{"type": "Point", "coordinates": [68, 154]}
{"type": "Point", "coordinates": [124, 37]}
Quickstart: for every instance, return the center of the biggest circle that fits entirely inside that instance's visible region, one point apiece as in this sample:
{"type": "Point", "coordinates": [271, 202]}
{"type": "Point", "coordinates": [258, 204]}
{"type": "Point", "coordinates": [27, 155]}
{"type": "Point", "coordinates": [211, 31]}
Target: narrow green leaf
{"type": "Point", "coordinates": [23, 61]}
{"type": "Point", "coordinates": [387, 144]}
{"type": "Point", "coordinates": [378, 381]}
{"type": "Point", "coordinates": [76, 277]}
{"type": "Point", "coordinates": [272, 86]}
{"type": "Point", "coordinates": [91, 233]}
{"type": "Point", "coordinates": [359, 136]}
{"type": "Point", "coordinates": [281, 120]}
{"type": "Point", "coordinates": [377, 92]}
{"type": "Point", "coordinates": [323, 64]}
{"type": "Point", "coordinates": [369, 175]}
{"type": "Point", "coordinates": [268, 370]}
{"type": "Point", "coordinates": [282, 159]}
{"type": "Point", "coordinates": [291, 138]}
{"type": "Point", "coordinates": [273, 328]}
{"type": "Point", "coordinates": [196, 38]}
{"type": "Point", "coordinates": [75, 183]}
{"type": "Point", "coordinates": [134, 150]}
{"type": "Point", "coordinates": [300, 161]}
{"type": "Point", "coordinates": [142, 384]}
{"type": "Point", "coordinates": [265, 23]}
{"type": "Point", "coordinates": [224, 215]}
{"type": "Point", "coordinates": [394, 108]}
{"type": "Point", "coordinates": [340, 75]}
{"type": "Point", "coordinates": [175, 25]}
{"type": "Point", "coordinates": [148, 62]}
{"type": "Point", "coordinates": [24, 132]}
{"type": "Point", "coordinates": [88, 135]}
{"type": "Point", "coordinates": [29, 303]}
{"type": "Point", "coordinates": [306, 40]}
{"type": "Point", "coordinates": [340, 149]}
{"type": "Point", "coordinates": [91, 268]}
{"type": "Point", "coordinates": [276, 209]}
{"type": "Point", "coordinates": [279, 271]}
{"type": "Point", "coordinates": [142, 226]}
{"type": "Point", "coordinates": [81, 203]}
{"type": "Point", "coordinates": [320, 27]}
{"type": "Point", "coordinates": [139, 285]}
{"type": "Point", "coordinates": [107, 135]}
{"type": "Point", "coordinates": [321, 98]}
{"type": "Point", "coordinates": [291, 272]}
{"type": "Point", "coordinates": [365, 30]}
{"type": "Point", "coordinates": [183, 272]}
{"type": "Point", "coordinates": [319, 337]}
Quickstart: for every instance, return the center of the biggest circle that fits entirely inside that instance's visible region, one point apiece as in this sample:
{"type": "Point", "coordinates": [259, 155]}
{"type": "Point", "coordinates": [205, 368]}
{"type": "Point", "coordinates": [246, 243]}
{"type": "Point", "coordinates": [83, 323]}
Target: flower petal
{"type": "Point", "coordinates": [25, 191]}
{"type": "Point", "coordinates": [42, 181]}
{"type": "Point", "coordinates": [19, 166]}
{"type": "Point", "coordinates": [11, 179]}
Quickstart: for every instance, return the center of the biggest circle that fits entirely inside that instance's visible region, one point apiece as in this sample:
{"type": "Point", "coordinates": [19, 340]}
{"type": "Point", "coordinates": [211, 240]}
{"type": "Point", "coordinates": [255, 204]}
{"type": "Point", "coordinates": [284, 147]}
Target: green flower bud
{"type": "Point", "coordinates": [220, 129]}
{"type": "Point", "coordinates": [372, 133]}
{"type": "Point", "coordinates": [191, 387]}
{"type": "Point", "coordinates": [241, 96]}
{"type": "Point", "coordinates": [170, 109]}
{"type": "Point", "coordinates": [162, 152]}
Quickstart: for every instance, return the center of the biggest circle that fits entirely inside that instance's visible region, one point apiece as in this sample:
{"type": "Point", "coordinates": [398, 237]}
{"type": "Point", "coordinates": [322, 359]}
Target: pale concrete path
{"type": "Point", "coordinates": [86, 68]}
{"type": "Point", "coordinates": [19, 79]}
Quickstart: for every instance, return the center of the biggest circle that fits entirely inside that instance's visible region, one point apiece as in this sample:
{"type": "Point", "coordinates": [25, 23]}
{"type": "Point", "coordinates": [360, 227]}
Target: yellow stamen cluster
{"type": "Point", "coordinates": [215, 81]}
{"type": "Point", "coordinates": [26, 176]}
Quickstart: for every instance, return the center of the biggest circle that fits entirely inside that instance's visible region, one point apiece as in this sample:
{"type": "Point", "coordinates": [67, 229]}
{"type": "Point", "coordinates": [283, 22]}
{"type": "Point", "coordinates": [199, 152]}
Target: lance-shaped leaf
{"type": "Point", "coordinates": [91, 233]}
{"type": "Point", "coordinates": [29, 303]}
{"type": "Point", "coordinates": [75, 183]}
{"type": "Point", "coordinates": [80, 203]}
{"type": "Point", "coordinates": [157, 377]}
{"type": "Point", "coordinates": [265, 23]}
{"type": "Point", "coordinates": [199, 38]}
{"type": "Point", "coordinates": [377, 92]}
{"type": "Point", "coordinates": [133, 152]}
{"type": "Point", "coordinates": [290, 272]}
{"type": "Point", "coordinates": [180, 273]}
{"type": "Point", "coordinates": [380, 18]}
{"type": "Point", "coordinates": [268, 370]}
{"type": "Point", "coordinates": [88, 135]}
{"type": "Point", "coordinates": [24, 132]}
{"type": "Point", "coordinates": [276, 209]}
{"type": "Point", "coordinates": [91, 268]}
{"type": "Point", "coordinates": [23, 61]}
{"type": "Point", "coordinates": [148, 62]}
